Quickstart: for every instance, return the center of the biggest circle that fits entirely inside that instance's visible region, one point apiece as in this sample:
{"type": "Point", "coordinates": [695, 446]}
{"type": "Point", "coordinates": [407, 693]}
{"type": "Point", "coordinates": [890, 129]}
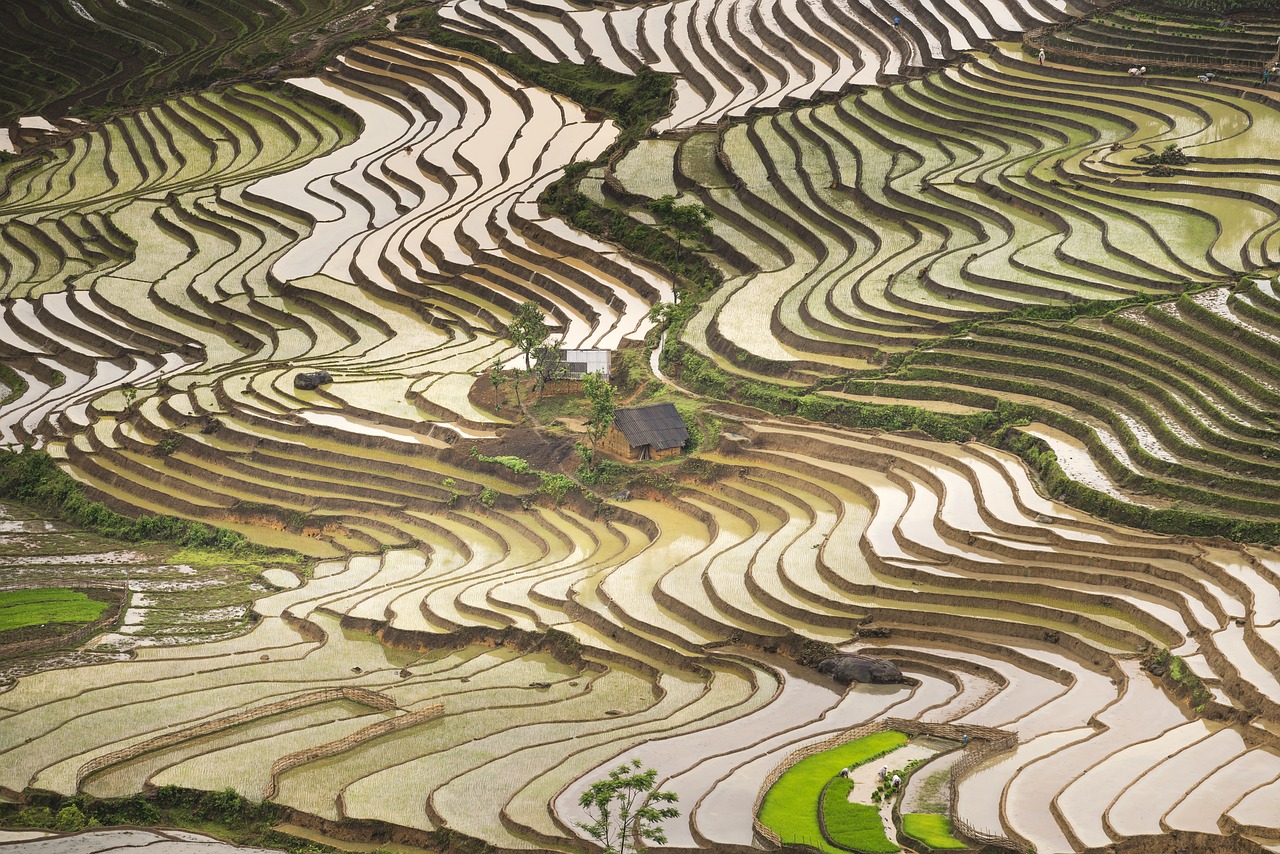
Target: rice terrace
{"type": "Point", "coordinates": [598, 425]}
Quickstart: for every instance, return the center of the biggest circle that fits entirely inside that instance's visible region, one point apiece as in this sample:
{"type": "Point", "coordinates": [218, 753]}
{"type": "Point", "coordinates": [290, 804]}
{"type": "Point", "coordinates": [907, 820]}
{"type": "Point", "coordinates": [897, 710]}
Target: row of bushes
{"type": "Point", "coordinates": [1057, 484]}
{"type": "Point", "coordinates": [225, 814]}
{"type": "Point", "coordinates": [33, 478]}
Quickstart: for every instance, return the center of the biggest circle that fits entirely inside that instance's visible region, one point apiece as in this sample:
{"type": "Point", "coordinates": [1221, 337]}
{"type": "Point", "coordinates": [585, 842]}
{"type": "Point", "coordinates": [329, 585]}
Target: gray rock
{"type": "Point", "coordinates": [311, 380]}
{"type": "Point", "coordinates": [847, 669]}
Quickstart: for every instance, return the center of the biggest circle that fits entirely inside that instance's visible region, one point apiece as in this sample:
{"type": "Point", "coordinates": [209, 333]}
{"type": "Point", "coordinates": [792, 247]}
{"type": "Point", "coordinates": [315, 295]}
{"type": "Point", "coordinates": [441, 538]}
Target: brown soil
{"type": "Point", "coordinates": [542, 451]}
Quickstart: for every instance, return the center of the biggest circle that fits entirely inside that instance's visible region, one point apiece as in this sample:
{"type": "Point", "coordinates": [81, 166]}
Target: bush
{"type": "Point", "coordinates": [69, 819]}
{"type": "Point", "coordinates": [33, 817]}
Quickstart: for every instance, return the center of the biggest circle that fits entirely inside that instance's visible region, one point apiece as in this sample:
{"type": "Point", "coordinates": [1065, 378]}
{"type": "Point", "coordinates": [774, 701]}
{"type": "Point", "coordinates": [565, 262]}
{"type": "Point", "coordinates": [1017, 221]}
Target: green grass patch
{"type": "Point", "coordinates": [22, 608]}
{"type": "Point", "coordinates": [932, 830]}
{"type": "Point", "coordinates": [790, 807]}
{"type": "Point", "coordinates": [854, 826]}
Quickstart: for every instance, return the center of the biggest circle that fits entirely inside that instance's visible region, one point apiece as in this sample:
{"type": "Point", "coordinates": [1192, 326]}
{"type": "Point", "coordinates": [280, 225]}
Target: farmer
{"type": "Point", "coordinates": [897, 780]}
{"type": "Point", "coordinates": [884, 772]}
{"type": "Point", "coordinates": [1042, 56]}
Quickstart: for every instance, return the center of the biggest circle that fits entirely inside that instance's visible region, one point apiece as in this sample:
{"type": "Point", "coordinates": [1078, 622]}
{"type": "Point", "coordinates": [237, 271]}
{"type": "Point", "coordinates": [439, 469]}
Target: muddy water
{"type": "Point", "coordinates": [1137, 811]}
{"type": "Point", "coordinates": [1085, 801]}
{"type": "Point", "coordinates": [1143, 711]}
{"type": "Point", "coordinates": [1201, 809]}
{"type": "Point", "coordinates": [980, 793]}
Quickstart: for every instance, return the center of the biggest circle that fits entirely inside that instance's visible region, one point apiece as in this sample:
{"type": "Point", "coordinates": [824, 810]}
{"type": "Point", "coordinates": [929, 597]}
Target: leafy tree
{"type": "Point", "coordinates": [547, 366]}
{"type": "Point", "coordinates": [528, 330]}
{"type": "Point", "coordinates": [687, 220]}
{"type": "Point", "coordinates": [495, 378]}
{"type": "Point", "coordinates": [600, 398]}
{"type": "Point", "coordinates": [622, 808]}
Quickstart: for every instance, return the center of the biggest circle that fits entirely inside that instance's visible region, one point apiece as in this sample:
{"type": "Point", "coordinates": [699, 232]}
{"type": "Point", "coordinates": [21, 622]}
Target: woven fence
{"type": "Point", "coordinates": [362, 696]}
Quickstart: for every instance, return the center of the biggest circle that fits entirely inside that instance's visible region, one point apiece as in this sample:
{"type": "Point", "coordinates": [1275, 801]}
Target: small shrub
{"type": "Point", "coordinates": [69, 819]}
{"type": "Point", "coordinates": [33, 817]}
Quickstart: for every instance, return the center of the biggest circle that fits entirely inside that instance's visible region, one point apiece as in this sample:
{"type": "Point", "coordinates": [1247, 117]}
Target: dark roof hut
{"type": "Point", "coordinates": [646, 433]}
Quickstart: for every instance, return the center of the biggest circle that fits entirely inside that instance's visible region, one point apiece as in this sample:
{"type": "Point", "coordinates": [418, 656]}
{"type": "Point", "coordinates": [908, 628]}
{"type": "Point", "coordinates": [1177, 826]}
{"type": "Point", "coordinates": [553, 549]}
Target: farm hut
{"type": "Point", "coordinates": [646, 433]}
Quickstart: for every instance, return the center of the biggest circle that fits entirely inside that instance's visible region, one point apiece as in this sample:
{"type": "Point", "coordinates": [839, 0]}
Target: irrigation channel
{"type": "Point", "coordinates": [168, 273]}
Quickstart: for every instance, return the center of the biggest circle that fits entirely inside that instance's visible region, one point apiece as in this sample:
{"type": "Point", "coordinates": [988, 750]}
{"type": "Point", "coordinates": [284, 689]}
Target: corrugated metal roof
{"type": "Point", "coordinates": [579, 363]}
{"type": "Point", "coordinates": [659, 426]}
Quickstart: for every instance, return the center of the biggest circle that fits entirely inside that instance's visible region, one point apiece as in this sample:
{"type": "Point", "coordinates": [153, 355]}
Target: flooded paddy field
{"type": "Point", "coordinates": [463, 638]}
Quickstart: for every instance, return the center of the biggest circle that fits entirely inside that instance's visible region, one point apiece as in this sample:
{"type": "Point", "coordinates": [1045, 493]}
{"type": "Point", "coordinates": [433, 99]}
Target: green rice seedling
{"type": "Point", "coordinates": [933, 830]}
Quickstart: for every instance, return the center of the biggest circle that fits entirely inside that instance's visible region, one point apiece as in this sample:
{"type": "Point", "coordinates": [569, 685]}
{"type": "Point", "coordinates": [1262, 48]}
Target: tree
{"type": "Point", "coordinates": [547, 366]}
{"type": "Point", "coordinates": [600, 398]}
{"type": "Point", "coordinates": [528, 331]}
{"type": "Point", "coordinates": [622, 808]}
{"type": "Point", "coordinates": [495, 379]}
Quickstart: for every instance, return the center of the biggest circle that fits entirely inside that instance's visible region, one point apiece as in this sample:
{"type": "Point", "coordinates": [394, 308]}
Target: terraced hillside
{"type": "Point", "coordinates": [1002, 187]}
{"type": "Point", "coordinates": [734, 57]}
{"type": "Point", "coordinates": [1159, 37]}
{"type": "Point", "coordinates": [65, 56]}
{"type": "Point", "coordinates": [988, 187]}
{"type": "Point", "coordinates": [946, 549]}
{"type": "Point", "coordinates": [401, 255]}
{"type": "Point", "coordinates": [1173, 401]}
{"type": "Point", "coordinates": [481, 639]}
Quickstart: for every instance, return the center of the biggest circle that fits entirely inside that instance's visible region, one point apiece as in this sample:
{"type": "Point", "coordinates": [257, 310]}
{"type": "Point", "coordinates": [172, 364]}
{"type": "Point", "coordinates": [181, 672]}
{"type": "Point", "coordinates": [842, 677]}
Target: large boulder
{"type": "Point", "coordinates": [311, 380]}
{"type": "Point", "coordinates": [847, 669]}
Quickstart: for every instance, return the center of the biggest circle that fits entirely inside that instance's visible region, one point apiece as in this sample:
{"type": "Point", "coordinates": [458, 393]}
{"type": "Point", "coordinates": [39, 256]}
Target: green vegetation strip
{"type": "Point", "coordinates": [857, 827]}
{"type": "Point", "coordinates": [933, 830]}
{"type": "Point", "coordinates": [790, 807]}
{"type": "Point", "coordinates": [21, 608]}
{"type": "Point", "coordinates": [33, 478]}
{"type": "Point", "coordinates": [224, 815]}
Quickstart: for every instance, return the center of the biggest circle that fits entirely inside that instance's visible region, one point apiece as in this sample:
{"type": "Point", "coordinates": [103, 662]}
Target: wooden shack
{"type": "Point", "coordinates": [654, 432]}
